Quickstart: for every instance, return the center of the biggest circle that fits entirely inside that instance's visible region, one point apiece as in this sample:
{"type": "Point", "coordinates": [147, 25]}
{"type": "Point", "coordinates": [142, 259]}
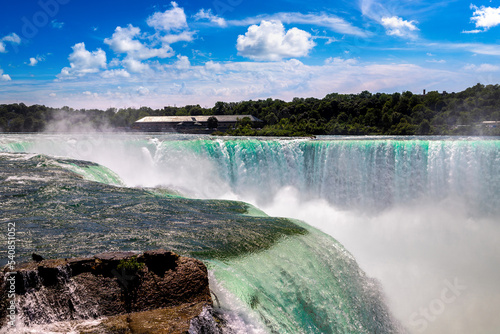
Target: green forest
{"type": "Point", "coordinates": [433, 113]}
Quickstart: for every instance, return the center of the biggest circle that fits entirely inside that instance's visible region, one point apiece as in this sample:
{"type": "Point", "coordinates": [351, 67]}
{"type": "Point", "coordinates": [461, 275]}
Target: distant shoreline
{"type": "Point", "coordinates": [472, 112]}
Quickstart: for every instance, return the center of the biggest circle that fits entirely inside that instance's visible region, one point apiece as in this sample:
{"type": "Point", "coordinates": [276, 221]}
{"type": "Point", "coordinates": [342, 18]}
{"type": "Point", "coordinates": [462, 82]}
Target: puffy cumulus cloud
{"type": "Point", "coordinates": [35, 60]}
{"type": "Point", "coordinates": [485, 17]}
{"type": "Point", "coordinates": [4, 77]}
{"type": "Point", "coordinates": [134, 65]}
{"type": "Point", "coordinates": [270, 41]}
{"type": "Point", "coordinates": [182, 63]}
{"type": "Point", "coordinates": [208, 15]}
{"type": "Point", "coordinates": [83, 62]}
{"type": "Point", "coordinates": [134, 49]}
{"type": "Point", "coordinates": [171, 26]}
{"type": "Point", "coordinates": [12, 38]}
{"type": "Point", "coordinates": [170, 20]}
{"type": "Point", "coordinates": [396, 26]}
{"type": "Point", "coordinates": [124, 40]}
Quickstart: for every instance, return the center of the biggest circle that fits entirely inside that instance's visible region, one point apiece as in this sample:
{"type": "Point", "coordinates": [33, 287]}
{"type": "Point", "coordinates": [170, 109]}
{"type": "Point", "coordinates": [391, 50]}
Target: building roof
{"type": "Point", "coordinates": [180, 119]}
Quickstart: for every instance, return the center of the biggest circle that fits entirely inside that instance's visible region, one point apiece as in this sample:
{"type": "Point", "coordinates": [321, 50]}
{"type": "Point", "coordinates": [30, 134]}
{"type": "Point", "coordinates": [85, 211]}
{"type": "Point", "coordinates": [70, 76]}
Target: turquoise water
{"type": "Point", "coordinates": [287, 276]}
{"type": "Point", "coordinates": [414, 212]}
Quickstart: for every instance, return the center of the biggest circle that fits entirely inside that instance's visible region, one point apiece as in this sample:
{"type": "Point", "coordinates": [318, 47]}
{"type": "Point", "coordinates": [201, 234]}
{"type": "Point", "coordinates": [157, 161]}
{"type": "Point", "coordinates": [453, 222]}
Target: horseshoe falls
{"type": "Point", "coordinates": [379, 235]}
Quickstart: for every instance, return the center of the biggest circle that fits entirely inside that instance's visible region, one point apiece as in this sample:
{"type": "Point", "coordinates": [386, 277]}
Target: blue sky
{"type": "Point", "coordinates": [102, 54]}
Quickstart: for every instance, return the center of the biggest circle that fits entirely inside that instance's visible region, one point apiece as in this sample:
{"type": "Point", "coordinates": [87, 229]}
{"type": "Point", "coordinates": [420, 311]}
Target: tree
{"type": "Point", "coordinates": [424, 128]}
{"type": "Point", "coordinates": [219, 108]}
{"type": "Point", "coordinates": [212, 122]}
{"type": "Point", "coordinates": [16, 125]}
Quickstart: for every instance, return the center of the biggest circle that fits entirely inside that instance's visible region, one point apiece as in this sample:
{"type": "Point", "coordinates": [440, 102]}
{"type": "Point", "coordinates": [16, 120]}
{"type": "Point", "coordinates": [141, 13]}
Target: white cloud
{"type": "Point", "coordinates": [171, 26]}
{"type": "Point", "coordinates": [475, 31]}
{"type": "Point", "coordinates": [11, 38]}
{"type": "Point", "coordinates": [57, 25]}
{"type": "Point", "coordinates": [485, 17]}
{"type": "Point", "coordinates": [208, 15]}
{"type": "Point", "coordinates": [52, 94]}
{"type": "Point", "coordinates": [396, 26]}
{"type": "Point", "coordinates": [134, 65]}
{"type": "Point", "coordinates": [83, 62]}
{"type": "Point", "coordinates": [135, 47]}
{"type": "Point", "coordinates": [340, 61]}
{"type": "Point", "coordinates": [4, 77]}
{"type": "Point", "coordinates": [142, 90]}
{"type": "Point", "coordinates": [212, 66]}
{"type": "Point", "coordinates": [483, 68]}
{"type": "Point", "coordinates": [90, 94]}
{"type": "Point", "coordinates": [331, 22]}
{"type": "Point", "coordinates": [35, 60]}
{"type": "Point", "coordinates": [184, 36]}
{"type": "Point", "coordinates": [171, 20]}
{"type": "Point", "coordinates": [238, 81]}
{"type": "Point", "coordinates": [479, 48]}
{"type": "Point", "coordinates": [182, 63]}
{"type": "Point", "coordinates": [116, 73]}
{"type": "Point", "coordinates": [441, 61]}
{"type": "Point", "coordinates": [376, 9]}
{"type": "Point", "coordinates": [124, 40]}
{"type": "Point", "coordinates": [269, 41]}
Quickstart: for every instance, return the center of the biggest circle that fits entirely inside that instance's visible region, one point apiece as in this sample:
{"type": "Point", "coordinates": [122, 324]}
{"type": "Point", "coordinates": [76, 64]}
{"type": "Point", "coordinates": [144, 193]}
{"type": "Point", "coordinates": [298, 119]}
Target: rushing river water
{"type": "Point", "coordinates": [420, 215]}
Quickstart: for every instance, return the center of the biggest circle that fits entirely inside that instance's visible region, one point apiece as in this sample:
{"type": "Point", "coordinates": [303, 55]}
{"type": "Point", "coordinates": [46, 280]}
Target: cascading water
{"type": "Point", "coordinates": [419, 214]}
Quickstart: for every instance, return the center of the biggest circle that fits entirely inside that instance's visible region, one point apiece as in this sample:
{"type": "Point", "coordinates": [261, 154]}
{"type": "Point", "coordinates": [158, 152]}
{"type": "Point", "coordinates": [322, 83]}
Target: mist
{"type": "Point", "coordinates": [417, 251]}
{"type": "Point", "coordinates": [65, 121]}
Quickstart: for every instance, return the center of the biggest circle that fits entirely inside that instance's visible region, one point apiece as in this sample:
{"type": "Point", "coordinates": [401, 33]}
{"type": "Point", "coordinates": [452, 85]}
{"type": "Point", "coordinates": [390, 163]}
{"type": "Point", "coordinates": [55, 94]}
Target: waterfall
{"type": "Point", "coordinates": [363, 174]}
{"type": "Point", "coordinates": [418, 214]}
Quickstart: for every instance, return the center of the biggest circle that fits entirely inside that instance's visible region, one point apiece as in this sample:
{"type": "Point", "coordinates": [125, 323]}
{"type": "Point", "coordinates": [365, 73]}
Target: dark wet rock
{"type": "Point", "coordinates": [36, 257]}
{"type": "Point", "coordinates": [157, 289]}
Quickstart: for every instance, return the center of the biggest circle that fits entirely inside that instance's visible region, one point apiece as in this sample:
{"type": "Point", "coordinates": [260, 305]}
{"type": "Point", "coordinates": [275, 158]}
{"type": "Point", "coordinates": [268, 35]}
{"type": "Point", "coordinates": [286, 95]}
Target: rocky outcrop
{"type": "Point", "coordinates": [154, 292]}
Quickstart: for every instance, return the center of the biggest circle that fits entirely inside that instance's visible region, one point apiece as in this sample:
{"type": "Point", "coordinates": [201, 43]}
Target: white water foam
{"type": "Point", "coordinates": [239, 318]}
{"type": "Point", "coordinates": [417, 252]}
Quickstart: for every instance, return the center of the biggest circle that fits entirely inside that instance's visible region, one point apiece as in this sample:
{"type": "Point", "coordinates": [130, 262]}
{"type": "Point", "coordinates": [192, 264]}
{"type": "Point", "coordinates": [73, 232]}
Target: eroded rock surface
{"type": "Point", "coordinates": [154, 292]}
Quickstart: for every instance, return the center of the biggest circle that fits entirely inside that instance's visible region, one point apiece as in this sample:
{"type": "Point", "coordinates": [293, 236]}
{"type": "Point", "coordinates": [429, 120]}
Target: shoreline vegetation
{"type": "Point", "coordinates": [474, 111]}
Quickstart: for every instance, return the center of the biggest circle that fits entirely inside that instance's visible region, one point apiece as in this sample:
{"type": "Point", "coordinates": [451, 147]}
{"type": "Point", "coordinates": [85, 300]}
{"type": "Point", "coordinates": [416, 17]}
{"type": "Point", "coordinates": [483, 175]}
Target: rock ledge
{"type": "Point", "coordinates": [154, 292]}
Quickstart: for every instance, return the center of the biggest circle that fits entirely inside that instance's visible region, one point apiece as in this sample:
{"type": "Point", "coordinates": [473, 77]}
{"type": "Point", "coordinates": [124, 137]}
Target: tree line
{"type": "Point", "coordinates": [365, 113]}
